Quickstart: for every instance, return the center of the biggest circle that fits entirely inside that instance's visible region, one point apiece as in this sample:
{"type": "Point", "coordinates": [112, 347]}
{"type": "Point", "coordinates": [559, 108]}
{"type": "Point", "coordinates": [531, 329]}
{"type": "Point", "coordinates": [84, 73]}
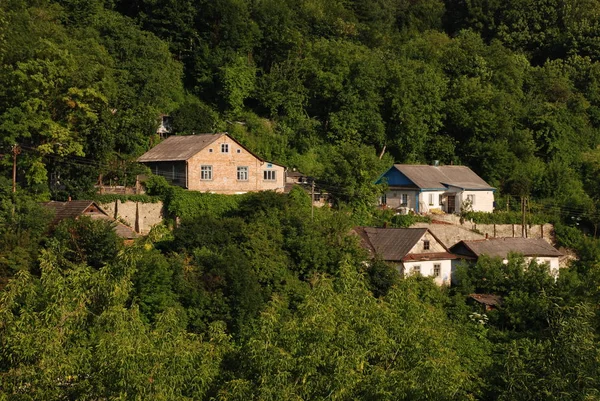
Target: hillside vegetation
{"type": "Point", "coordinates": [249, 297]}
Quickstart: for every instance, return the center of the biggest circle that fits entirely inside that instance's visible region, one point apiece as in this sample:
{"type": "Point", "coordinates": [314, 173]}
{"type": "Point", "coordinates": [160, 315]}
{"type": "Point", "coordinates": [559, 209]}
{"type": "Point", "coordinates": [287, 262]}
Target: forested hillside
{"type": "Point", "coordinates": [252, 296]}
{"type": "Point", "coordinates": [507, 88]}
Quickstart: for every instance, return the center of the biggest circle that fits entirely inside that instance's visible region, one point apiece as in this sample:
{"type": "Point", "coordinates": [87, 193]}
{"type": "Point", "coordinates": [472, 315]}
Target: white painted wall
{"type": "Point", "coordinates": [427, 268]}
{"type": "Point", "coordinates": [551, 261]}
{"type": "Point", "coordinates": [394, 198]}
{"type": "Point", "coordinates": [425, 206]}
{"type": "Point", "coordinates": [484, 200]}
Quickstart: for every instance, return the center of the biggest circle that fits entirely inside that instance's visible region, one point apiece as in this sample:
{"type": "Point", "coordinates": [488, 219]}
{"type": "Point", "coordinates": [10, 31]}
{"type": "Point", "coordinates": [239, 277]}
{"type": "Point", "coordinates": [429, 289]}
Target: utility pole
{"type": "Point", "coordinates": [312, 199]}
{"type": "Point", "coordinates": [15, 151]}
{"type": "Point", "coordinates": [523, 232]}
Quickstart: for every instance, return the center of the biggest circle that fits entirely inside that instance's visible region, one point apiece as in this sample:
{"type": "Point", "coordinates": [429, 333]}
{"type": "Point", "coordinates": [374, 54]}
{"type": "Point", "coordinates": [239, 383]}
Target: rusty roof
{"type": "Point", "coordinates": [77, 208]}
{"type": "Point", "coordinates": [71, 209]}
{"type": "Point", "coordinates": [440, 177]}
{"type": "Point", "coordinates": [487, 299]}
{"type": "Point", "coordinates": [389, 243]}
{"type": "Point", "coordinates": [501, 247]}
{"type": "Point", "coordinates": [179, 147]}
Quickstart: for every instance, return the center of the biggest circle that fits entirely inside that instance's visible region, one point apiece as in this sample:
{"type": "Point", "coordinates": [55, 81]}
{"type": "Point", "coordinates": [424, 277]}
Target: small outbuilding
{"type": "Point", "coordinates": [77, 208]}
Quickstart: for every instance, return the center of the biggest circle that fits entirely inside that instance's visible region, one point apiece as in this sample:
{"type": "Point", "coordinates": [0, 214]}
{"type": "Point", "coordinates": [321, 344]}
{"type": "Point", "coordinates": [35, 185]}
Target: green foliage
{"type": "Point", "coordinates": [23, 225]}
{"type": "Point", "coordinates": [71, 333]}
{"type": "Point", "coordinates": [502, 217]}
{"type": "Point", "coordinates": [189, 204]}
{"type": "Point", "coordinates": [390, 218]}
{"type": "Point", "coordinates": [89, 241]}
{"type": "Point", "coordinates": [344, 344]}
{"type": "Point", "coordinates": [112, 198]}
{"type": "Point", "coordinates": [194, 117]}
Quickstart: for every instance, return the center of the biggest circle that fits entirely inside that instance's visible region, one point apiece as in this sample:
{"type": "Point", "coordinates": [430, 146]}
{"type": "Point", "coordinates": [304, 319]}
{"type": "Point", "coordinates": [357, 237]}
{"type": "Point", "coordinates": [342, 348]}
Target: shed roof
{"type": "Point", "coordinates": [487, 299]}
{"type": "Point", "coordinates": [390, 243]}
{"type": "Point", "coordinates": [439, 177]}
{"type": "Point", "coordinates": [71, 209]}
{"type": "Point", "coordinates": [501, 247]}
{"type": "Point", "coordinates": [77, 208]}
{"type": "Point", "coordinates": [179, 147]}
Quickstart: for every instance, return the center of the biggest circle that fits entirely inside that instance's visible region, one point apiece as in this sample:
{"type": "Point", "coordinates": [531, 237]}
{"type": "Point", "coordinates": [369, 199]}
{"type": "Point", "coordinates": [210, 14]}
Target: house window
{"type": "Point", "coordinates": [206, 172]}
{"type": "Point", "coordinates": [430, 199]}
{"type": "Point", "coordinates": [471, 199]}
{"type": "Point", "coordinates": [404, 200]}
{"type": "Point", "coordinates": [383, 200]}
{"type": "Point", "coordinates": [242, 173]}
{"type": "Point", "coordinates": [269, 175]}
{"type": "Point", "coordinates": [426, 244]}
{"type": "Point", "coordinates": [239, 150]}
{"type": "Point", "coordinates": [416, 269]}
{"type": "Point", "coordinates": [441, 200]}
{"type": "Point", "coordinates": [224, 148]}
{"type": "Point", "coordinates": [437, 270]}
{"type": "Point", "coordinates": [210, 150]}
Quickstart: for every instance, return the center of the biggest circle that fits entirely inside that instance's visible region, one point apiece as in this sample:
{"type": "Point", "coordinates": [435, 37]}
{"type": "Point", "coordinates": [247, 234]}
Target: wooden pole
{"type": "Point", "coordinates": [15, 151]}
{"type": "Point", "coordinates": [523, 234]}
{"type": "Point", "coordinates": [312, 200]}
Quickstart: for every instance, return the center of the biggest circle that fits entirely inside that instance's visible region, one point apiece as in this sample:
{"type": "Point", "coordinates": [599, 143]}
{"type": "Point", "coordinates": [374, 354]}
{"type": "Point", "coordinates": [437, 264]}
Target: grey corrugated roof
{"type": "Point", "coordinates": [438, 177]}
{"type": "Point", "coordinates": [501, 247]}
{"type": "Point", "coordinates": [390, 243]}
{"type": "Point", "coordinates": [178, 147]}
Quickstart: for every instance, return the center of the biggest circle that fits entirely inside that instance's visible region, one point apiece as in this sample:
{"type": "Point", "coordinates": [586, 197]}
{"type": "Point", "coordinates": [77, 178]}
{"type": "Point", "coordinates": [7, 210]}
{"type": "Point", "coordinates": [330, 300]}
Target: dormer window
{"type": "Point", "coordinates": [224, 148]}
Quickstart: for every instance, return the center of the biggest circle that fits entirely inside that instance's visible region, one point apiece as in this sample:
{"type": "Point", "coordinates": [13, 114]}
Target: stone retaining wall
{"type": "Point", "coordinates": [139, 216]}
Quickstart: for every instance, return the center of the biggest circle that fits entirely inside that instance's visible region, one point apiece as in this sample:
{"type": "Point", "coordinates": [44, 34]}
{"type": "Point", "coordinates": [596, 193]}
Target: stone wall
{"type": "Point", "coordinates": [450, 233]}
{"type": "Point", "coordinates": [139, 216]}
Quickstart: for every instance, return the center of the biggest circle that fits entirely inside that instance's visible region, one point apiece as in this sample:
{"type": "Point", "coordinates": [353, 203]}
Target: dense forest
{"type": "Point", "coordinates": [248, 296]}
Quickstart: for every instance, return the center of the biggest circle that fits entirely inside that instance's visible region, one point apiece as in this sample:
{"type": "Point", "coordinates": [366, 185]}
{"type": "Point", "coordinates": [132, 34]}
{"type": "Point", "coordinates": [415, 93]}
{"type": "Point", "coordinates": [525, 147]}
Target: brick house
{"type": "Point", "coordinates": [213, 163]}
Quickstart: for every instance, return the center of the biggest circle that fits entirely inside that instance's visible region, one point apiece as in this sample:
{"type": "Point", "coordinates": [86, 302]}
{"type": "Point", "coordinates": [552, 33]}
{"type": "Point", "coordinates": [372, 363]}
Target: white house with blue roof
{"type": "Point", "coordinates": [426, 189]}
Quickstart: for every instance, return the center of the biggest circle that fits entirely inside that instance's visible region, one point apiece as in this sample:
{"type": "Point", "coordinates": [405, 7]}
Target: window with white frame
{"type": "Point", "coordinates": [416, 269]}
{"type": "Point", "coordinates": [471, 199]}
{"type": "Point", "coordinates": [242, 173]}
{"type": "Point", "coordinates": [206, 173]}
{"type": "Point", "coordinates": [430, 199]}
{"type": "Point", "coordinates": [437, 270]}
{"type": "Point", "coordinates": [224, 148]}
{"type": "Point", "coordinates": [404, 200]}
{"type": "Point", "coordinates": [269, 175]}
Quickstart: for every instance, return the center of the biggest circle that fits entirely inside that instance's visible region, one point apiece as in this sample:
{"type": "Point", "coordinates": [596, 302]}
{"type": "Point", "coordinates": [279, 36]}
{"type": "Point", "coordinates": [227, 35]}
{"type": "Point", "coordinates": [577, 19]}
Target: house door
{"type": "Point", "coordinates": [451, 204]}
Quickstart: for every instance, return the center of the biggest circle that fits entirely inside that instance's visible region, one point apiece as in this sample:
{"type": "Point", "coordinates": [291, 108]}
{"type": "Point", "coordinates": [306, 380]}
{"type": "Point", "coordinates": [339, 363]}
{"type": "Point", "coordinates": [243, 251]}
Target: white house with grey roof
{"type": "Point", "coordinates": [530, 248]}
{"type": "Point", "coordinates": [410, 250]}
{"type": "Point", "coordinates": [426, 189]}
